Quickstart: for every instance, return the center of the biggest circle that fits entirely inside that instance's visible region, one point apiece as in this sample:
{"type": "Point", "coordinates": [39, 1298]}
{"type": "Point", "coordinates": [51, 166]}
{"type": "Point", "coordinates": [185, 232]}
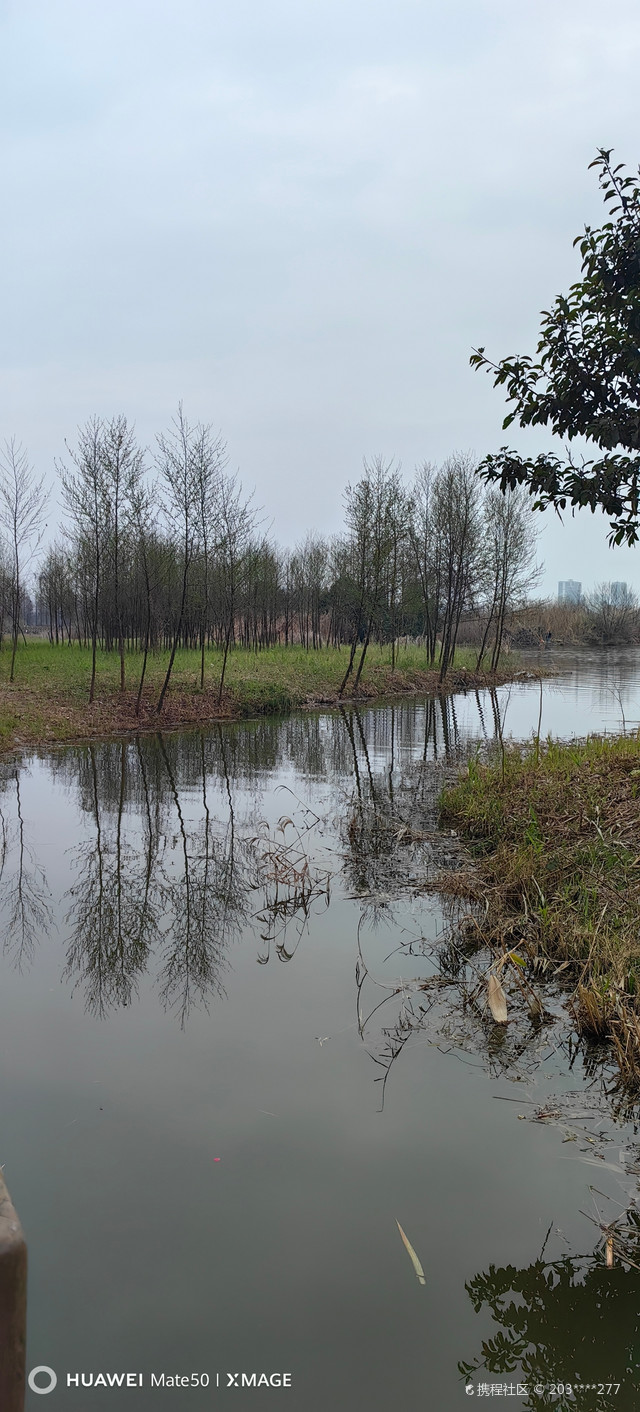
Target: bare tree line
{"type": "Point", "coordinates": [165, 550]}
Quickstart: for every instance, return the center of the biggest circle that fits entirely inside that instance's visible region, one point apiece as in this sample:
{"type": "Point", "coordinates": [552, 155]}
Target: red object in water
{"type": "Point", "coordinates": [216, 1159]}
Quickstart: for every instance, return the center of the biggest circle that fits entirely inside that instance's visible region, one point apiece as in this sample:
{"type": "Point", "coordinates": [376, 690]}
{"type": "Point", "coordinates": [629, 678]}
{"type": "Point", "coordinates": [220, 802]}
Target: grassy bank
{"type": "Point", "coordinates": [48, 701]}
{"type": "Point", "coordinates": [556, 838]}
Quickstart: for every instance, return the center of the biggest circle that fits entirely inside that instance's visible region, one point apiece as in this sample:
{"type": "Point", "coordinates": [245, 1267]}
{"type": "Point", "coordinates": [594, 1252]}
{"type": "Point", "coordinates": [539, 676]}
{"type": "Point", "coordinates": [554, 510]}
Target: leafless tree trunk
{"type": "Point", "coordinates": [122, 470]}
{"type": "Point", "coordinates": [175, 464]}
{"type": "Point", "coordinates": [141, 515]}
{"type": "Point", "coordinates": [426, 548]}
{"type": "Point", "coordinates": [509, 544]}
{"type": "Point", "coordinates": [456, 505]}
{"type": "Point", "coordinates": [237, 521]}
{"type": "Point", "coordinates": [85, 494]}
{"type": "Point", "coordinates": [22, 509]}
{"type": "Point", "coordinates": [210, 459]}
{"type": "Point", "coordinates": [369, 511]}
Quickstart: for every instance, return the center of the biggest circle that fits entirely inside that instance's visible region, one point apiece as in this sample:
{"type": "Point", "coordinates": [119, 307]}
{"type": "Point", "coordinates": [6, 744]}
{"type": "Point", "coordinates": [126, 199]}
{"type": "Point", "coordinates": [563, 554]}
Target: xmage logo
{"type": "Point", "coordinates": [42, 1370]}
{"type": "Point", "coordinates": [258, 1379]}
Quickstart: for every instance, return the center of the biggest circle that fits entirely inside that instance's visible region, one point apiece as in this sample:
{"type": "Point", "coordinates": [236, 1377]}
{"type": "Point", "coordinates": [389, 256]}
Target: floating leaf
{"type": "Point", "coordinates": [412, 1255]}
{"type": "Point", "coordinates": [497, 1000]}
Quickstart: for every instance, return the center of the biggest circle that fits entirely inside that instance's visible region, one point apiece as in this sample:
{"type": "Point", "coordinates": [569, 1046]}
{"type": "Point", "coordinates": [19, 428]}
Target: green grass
{"type": "Point", "coordinates": [48, 700]}
{"type": "Point", "coordinates": [40, 666]}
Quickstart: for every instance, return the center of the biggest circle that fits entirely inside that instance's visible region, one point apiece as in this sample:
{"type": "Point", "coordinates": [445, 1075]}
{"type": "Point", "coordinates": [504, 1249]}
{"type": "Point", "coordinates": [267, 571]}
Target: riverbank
{"type": "Point", "coordinates": [48, 701]}
{"type": "Point", "coordinates": [555, 834]}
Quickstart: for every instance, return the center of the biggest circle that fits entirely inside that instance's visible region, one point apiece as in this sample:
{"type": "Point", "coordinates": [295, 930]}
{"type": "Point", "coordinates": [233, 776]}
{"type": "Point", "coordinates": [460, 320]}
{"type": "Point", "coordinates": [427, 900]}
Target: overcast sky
{"type": "Point", "coordinates": [298, 216]}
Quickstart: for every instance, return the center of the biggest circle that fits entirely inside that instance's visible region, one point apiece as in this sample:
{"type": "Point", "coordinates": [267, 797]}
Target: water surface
{"type": "Point", "coordinates": [221, 1086]}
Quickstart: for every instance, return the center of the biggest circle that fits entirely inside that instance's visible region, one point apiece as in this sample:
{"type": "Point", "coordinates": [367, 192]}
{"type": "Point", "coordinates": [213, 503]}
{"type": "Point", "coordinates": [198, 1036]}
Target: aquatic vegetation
{"type": "Point", "coordinates": [555, 834]}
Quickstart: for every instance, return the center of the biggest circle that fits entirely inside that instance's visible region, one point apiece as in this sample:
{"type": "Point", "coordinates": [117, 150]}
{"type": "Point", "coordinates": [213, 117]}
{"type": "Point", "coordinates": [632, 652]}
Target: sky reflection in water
{"type": "Point", "coordinates": [141, 883]}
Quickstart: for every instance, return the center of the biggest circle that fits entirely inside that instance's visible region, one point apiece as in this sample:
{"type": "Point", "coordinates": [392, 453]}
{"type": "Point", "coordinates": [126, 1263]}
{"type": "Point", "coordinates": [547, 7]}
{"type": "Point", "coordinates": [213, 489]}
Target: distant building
{"type": "Point", "coordinates": [569, 591]}
{"type": "Point", "coordinates": [619, 594]}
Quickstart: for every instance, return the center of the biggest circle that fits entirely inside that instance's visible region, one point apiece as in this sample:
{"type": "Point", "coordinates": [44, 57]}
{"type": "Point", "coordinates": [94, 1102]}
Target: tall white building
{"type": "Point", "coordinates": [619, 593]}
{"type": "Point", "coordinates": [569, 591]}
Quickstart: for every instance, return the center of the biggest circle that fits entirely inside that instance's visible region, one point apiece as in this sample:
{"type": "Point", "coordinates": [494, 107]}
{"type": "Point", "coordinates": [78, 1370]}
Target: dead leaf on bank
{"type": "Point", "coordinates": [497, 1000]}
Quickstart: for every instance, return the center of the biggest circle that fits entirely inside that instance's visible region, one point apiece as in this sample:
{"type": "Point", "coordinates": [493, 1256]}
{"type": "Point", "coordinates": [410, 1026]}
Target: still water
{"type": "Point", "coordinates": [222, 1085]}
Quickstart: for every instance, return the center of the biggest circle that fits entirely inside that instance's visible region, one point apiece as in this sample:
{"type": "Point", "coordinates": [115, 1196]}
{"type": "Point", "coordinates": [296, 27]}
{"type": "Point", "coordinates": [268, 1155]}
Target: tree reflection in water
{"type": "Point", "coordinates": [392, 838]}
{"type": "Point", "coordinates": [166, 878]}
{"type": "Point", "coordinates": [201, 910]}
{"type": "Point", "coordinates": [151, 881]}
{"type": "Point", "coordinates": [117, 895]}
{"type": "Point", "coordinates": [394, 850]}
{"type": "Point", "coordinates": [570, 1320]}
{"type": "Point", "coordinates": [394, 854]}
{"type": "Point", "coordinates": [169, 874]}
{"type": "Point", "coordinates": [25, 913]}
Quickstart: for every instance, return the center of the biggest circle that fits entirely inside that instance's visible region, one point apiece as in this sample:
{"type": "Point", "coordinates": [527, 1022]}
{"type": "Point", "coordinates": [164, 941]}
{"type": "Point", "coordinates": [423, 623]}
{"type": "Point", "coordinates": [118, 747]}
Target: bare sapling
{"type": "Point", "coordinates": [22, 510]}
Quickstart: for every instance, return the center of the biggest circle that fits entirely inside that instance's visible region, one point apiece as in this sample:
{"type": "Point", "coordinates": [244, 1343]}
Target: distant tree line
{"type": "Point", "coordinates": [166, 551]}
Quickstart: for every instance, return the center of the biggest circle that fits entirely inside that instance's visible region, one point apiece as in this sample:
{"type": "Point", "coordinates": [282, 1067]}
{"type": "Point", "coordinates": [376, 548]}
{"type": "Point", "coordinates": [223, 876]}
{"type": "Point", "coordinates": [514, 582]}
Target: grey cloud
{"type": "Point", "coordinates": [298, 218]}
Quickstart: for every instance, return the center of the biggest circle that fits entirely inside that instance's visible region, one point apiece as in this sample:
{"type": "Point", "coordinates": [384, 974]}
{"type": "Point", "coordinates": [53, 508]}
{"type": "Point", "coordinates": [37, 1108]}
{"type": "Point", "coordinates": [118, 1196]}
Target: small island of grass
{"type": "Point", "coordinates": [47, 703]}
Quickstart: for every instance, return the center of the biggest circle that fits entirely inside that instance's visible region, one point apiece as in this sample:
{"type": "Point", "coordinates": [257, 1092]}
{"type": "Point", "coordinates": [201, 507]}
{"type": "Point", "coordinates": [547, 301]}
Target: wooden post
{"type": "Point", "coordinates": [13, 1306]}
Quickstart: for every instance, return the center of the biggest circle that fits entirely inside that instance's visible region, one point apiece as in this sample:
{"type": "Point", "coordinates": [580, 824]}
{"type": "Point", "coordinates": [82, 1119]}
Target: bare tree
{"type": "Point", "coordinates": [140, 516]}
{"type": "Point", "coordinates": [510, 535]}
{"type": "Point", "coordinates": [209, 461]}
{"type": "Point", "coordinates": [306, 580]}
{"type": "Point", "coordinates": [184, 566]}
{"type": "Point", "coordinates": [426, 548]}
{"type": "Point", "coordinates": [22, 509]}
{"type": "Point", "coordinates": [317, 561]}
{"type": "Point", "coordinates": [175, 461]}
{"type": "Point", "coordinates": [56, 592]}
{"type": "Point", "coordinates": [457, 525]}
{"type": "Point", "coordinates": [122, 471]}
{"type": "Point", "coordinates": [399, 516]}
{"type": "Point", "coordinates": [370, 508]}
{"type": "Point", "coordinates": [85, 495]}
{"type": "Point", "coordinates": [6, 597]}
{"type": "Point", "coordinates": [237, 522]}
{"type": "Point", "coordinates": [612, 614]}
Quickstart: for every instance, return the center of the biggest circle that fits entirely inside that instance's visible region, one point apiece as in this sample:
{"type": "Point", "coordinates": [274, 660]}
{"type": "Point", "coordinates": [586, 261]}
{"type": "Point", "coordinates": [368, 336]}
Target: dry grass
{"type": "Point", "coordinates": [556, 835]}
